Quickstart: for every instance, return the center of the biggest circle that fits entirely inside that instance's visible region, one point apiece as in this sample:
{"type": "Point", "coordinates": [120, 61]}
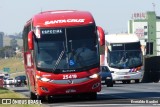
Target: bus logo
{"type": "Point", "coordinates": [70, 82]}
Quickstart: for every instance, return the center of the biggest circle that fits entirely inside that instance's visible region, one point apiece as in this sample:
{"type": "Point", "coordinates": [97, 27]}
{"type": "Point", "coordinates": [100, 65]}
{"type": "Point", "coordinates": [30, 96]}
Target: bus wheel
{"type": "Point", "coordinates": [126, 81]}
{"type": "Point", "coordinates": [33, 96]}
{"type": "Point", "coordinates": [50, 99]}
{"type": "Point", "coordinates": [42, 98]}
{"type": "Point", "coordinates": [137, 81]}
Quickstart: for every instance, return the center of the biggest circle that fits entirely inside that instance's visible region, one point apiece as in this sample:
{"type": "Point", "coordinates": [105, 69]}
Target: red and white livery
{"type": "Point", "coordinates": [54, 64]}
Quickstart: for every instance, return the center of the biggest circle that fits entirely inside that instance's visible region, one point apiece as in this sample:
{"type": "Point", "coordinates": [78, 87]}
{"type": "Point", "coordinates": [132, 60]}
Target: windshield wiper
{"type": "Point", "coordinates": [58, 60]}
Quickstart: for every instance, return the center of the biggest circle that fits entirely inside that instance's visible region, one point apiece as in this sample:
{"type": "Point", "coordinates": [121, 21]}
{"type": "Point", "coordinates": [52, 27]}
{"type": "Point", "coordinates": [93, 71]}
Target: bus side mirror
{"type": "Point", "coordinates": [101, 35]}
{"type": "Point", "coordinates": [30, 40]}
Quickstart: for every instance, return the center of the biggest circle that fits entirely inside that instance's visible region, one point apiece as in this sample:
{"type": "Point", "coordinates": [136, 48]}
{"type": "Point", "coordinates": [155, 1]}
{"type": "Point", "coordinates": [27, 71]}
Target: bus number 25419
{"type": "Point", "coordinates": [72, 76]}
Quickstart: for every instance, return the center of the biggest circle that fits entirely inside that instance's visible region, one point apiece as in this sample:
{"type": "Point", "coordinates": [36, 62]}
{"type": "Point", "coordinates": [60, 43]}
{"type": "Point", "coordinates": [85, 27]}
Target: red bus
{"type": "Point", "coordinates": [61, 54]}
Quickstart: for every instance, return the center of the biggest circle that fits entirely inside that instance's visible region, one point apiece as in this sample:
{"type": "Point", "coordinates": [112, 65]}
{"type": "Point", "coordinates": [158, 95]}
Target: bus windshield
{"type": "Point", "coordinates": [67, 49]}
{"type": "Point", "coordinates": [125, 59]}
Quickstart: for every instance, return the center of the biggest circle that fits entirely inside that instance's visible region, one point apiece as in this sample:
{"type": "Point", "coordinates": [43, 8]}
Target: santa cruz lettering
{"type": "Point", "coordinates": [64, 21]}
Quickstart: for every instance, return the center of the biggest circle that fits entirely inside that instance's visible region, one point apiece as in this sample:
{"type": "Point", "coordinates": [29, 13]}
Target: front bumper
{"type": "Point", "coordinates": [51, 89]}
{"type": "Point", "coordinates": [127, 76]}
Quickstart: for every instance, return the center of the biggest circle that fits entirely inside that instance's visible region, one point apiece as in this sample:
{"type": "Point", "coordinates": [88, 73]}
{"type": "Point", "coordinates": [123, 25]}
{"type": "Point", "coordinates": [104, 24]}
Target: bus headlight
{"type": "Point", "coordinates": [45, 79]}
{"type": "Point", "coordinates": [94, 76]}
{"type": "Point", "coordinates": [42, 79]}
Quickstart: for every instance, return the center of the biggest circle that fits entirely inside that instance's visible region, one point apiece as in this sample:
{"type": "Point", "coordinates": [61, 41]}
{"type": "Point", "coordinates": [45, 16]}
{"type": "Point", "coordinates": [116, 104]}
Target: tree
{"type": "Point", "coordinates": [13, 43]}
{"type": "Point", "coordinates": [7, 51]}
{"type": "Point", "coordinates": [2, 55]}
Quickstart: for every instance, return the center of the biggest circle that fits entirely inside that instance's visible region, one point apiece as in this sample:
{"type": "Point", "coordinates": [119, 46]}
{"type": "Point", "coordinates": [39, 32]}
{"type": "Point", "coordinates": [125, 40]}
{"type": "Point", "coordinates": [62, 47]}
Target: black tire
{"type": "Point", "coordinates": [50, 99]}
{"type": "Point", "coordinates": [114, 82]}
{"type": "Point", "coordinates": [156, 80]}
{"type": "Point", "coordinates": [42, 98]}
{"type": "Point", "coordinates": [33, 96]}
{"type": "Point", "coordinates": [110, 84]}
{"type": "Point", "coordinates": [126, 81]}
{"type": "Point", "coordinates": [137, 81]}
{"type": "Point", "coordinates": [156, 75]}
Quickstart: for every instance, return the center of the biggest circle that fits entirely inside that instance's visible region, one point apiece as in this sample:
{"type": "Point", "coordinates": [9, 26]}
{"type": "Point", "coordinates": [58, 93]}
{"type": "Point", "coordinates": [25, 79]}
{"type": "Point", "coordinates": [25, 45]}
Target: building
{"type": "Point", "coordinates": [147, 27]}
{"type": "Point", "coordinates": [1, 39]}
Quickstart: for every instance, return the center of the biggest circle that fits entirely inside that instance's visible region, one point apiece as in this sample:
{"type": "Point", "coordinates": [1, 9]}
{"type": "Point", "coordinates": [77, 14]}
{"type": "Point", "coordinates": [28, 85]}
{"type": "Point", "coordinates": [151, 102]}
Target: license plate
{"type": "Point", "coordinates": [126, 76]}
{"type": "Point", "coordinates": [102, 81]}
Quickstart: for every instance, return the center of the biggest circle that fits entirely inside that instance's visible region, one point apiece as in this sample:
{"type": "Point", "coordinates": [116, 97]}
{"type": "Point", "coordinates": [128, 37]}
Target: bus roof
{"type": "Point", "coordinates": [62, 18]}
{"type": "Point", "coordinates": [121, 38]}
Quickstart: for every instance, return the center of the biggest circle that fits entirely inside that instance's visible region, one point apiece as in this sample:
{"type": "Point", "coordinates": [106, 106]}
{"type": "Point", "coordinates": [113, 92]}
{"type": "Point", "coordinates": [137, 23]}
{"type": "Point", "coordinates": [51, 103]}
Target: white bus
{"type": "Point", "coordinates": [124, 58]}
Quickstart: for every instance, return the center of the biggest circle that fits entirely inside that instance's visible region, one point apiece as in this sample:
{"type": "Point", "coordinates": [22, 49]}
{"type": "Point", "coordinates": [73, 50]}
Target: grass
{"type": "Point", "coordinates": [13, 75]}
{"type": "Point", "coordinates": [5, 93]}
{"type": "Point", "coordinates": [15, 64]}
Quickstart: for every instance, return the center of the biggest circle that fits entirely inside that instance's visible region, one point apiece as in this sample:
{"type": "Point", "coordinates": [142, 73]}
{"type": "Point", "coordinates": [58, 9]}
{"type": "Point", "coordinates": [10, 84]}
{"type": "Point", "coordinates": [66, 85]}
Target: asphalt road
{"type": "Point", "coordinates": [120, 95]}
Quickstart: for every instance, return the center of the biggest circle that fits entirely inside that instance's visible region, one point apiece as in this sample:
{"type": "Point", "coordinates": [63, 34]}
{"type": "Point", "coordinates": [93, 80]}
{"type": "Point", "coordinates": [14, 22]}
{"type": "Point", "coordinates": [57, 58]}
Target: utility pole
{"type": "Point", "coordinates": [154, 5]}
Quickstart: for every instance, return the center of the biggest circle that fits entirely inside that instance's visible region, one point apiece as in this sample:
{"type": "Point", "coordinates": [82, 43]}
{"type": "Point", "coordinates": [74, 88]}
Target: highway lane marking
{"type": "Point", "coordinates": [115, 96]}
{"type": "Point", "coordinates": [103, 105]}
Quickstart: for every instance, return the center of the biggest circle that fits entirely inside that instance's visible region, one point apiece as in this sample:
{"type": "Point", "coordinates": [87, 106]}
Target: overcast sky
{"type": "Point", "coordinates": [111, 15]}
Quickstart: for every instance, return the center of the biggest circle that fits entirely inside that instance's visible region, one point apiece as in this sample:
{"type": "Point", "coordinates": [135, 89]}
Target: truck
{"type": "Point", "coordinates": [54, 64]}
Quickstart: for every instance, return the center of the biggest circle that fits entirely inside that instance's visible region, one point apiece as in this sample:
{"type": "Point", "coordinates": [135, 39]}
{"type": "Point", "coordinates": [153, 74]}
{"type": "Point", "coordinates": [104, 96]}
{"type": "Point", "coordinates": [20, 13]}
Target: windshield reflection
{"type": "Point", "coordinates": [79, 49]}
{"type": "Point", "coordinates": [125, 59]}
